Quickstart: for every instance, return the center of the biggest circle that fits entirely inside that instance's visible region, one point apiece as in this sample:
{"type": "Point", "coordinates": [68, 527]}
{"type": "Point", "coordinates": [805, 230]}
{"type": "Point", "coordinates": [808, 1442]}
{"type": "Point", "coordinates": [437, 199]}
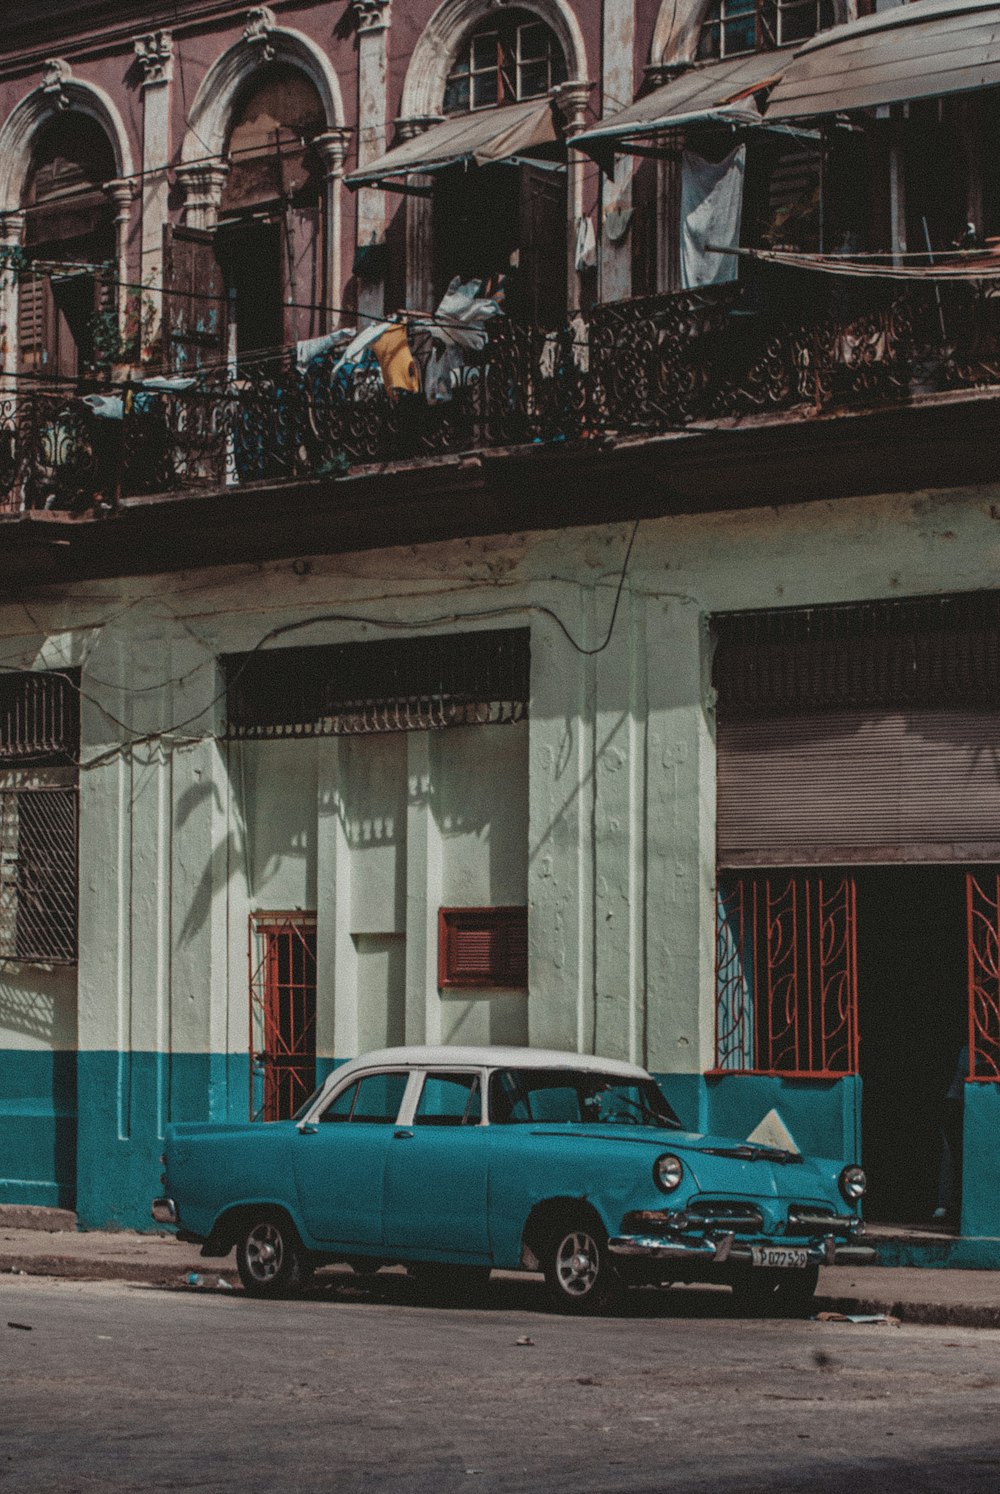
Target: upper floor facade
{"type": "Point", "coordinates": [261, 245]}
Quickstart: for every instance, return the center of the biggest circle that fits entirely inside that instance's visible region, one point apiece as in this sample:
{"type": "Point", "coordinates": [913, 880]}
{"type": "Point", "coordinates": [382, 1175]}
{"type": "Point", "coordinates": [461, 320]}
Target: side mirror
{"type": "Point", "coordinates": [308, 1128]}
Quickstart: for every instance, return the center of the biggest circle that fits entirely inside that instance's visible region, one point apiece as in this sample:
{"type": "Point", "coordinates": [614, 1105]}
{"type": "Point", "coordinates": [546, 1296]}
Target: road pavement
{"type": "Point", "coordinates": [117, 1387]}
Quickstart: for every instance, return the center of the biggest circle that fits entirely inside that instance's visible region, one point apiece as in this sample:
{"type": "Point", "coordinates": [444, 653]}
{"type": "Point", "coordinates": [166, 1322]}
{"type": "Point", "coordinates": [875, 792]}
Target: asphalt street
{"type": "Point", "coordinates": [113, 1387]}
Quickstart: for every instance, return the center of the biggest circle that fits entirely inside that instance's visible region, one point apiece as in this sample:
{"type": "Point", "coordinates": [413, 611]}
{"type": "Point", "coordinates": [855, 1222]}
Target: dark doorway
{"type": "Point", "coordinates": [251, 257]}
{"type": "Point", "coordinates": [912, 1019]}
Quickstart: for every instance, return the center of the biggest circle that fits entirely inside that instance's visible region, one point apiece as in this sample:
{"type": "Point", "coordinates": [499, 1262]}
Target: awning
{"type": "Point", "coordinates": [923, 50]}
{"type": "Point", "coordinates": [483, 137]}
{"type": "Point", "coordinates": [707, 92]}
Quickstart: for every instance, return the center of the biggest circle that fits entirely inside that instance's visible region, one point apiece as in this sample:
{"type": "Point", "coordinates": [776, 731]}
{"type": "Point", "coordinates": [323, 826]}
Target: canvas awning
{"type": "Point", "coordinates": [707, 92]}
{"type": "Point", "coordinates": [483, 137]}
{"type": "Point", "coordinates": [924, 50]}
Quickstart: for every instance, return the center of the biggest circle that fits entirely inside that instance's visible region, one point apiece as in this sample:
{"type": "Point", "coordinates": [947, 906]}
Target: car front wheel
{"type": "Point", "coordinates": [579, 1274]}
{"type": "Point", "coordinates": [270, 1258]}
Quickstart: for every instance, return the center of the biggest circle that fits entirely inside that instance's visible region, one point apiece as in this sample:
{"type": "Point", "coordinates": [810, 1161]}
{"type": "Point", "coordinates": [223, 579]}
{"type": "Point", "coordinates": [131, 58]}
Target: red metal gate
{"type": "Point", "coordinates": [983, 908]}
{"type": "Point", "coordinates": [787, 973]}
{"type": "Point", "coordinates": [282, 1013]}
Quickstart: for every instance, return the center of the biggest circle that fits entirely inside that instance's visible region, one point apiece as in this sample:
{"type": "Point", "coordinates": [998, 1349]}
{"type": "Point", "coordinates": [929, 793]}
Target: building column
{"type": "Point", "coordinates": [11, 237]}
{"type": "Point", "coordinates": [617, 88]}
{"type": "Point", "coordinates": [571, 101]}
{"type": "Point", "coordinates": [419, 224]}
{"type": "Point", "coordinates": [154, 55]}
{"type": "Point", "coordinates": [332, 147]}
{"type": "Point", "coordinates": [121, 194]}
{"type": "Point", "coordinates": [202, 185]}
{"type": "Point", "coordinates": [371, 18]}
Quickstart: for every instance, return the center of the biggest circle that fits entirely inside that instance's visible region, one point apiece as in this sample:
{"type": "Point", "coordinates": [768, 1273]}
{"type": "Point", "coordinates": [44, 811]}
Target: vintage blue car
{"type": "Point", "coordinates": [454, 1161]}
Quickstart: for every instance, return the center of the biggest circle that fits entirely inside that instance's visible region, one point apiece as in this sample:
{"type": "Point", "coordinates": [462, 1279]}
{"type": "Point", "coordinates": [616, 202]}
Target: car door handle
{"type": "Point", "coordinates": [403, 1134]}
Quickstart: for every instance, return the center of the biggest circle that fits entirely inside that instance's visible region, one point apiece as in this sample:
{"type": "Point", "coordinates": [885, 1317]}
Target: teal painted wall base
{"type": "Point", "coordinates": [822, 1115]}
{"type": "Point", "coordinates": [38, 1128]}
{"type": "Point", "coordinates": [963, 1253]}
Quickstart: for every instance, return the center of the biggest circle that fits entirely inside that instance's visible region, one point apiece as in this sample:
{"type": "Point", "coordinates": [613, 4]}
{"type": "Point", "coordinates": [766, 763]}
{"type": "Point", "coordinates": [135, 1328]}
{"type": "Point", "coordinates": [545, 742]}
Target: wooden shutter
{"type": "Point", "coordinates": [36, 325]}
{"type": "Point", "coordinates": [483, 948]}
{"type": "Point", "coordinates": [194, 302]}
{"type": "Point", "coordinates": [543, 241]}
{"type": "Point", "coordinates": [855, 787]}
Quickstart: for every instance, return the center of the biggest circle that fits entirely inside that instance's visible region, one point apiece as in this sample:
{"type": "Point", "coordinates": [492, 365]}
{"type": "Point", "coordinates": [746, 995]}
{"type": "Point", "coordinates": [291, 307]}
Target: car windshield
{"type": "Point", "coordinates": [572, 1097]}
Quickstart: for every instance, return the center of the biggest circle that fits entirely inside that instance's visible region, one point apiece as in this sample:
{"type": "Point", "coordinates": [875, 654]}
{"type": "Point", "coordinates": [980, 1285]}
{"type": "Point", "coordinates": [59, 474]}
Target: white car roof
{"type": "Point", "coordinates": [419, 1056]}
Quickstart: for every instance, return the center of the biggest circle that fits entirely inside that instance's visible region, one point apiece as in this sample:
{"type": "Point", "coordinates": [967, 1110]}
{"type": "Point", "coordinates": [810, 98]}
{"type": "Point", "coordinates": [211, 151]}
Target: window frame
{"type": "Point", "coordinates": [509, 63]}
{"type": "Point", "coordinates": [497, 919]}
{"type": "Point", "coordinates": [448, 1072]}
{"type": "Point", "coordinates": [329, 1097]}
{"type": "Point", "coordinates": [769, 17]}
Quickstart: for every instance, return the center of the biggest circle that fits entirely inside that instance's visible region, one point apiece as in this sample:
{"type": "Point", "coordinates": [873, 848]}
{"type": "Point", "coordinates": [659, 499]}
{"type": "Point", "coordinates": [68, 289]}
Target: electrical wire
{"type": "Point", "coordinates": [298, 625]}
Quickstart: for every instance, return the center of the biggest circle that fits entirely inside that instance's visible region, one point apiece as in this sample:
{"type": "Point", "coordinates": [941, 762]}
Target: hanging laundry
{"type": "Point", "coordinates": [399, 371]}
{"type": "Point", "coordinates": [316, 347]}
{"type": "Point", "coordinates": [711, 213]}
{"type": "Point", "coordinates": [458, 329]}
{"type": "Point", "coordinates": [586, 244]}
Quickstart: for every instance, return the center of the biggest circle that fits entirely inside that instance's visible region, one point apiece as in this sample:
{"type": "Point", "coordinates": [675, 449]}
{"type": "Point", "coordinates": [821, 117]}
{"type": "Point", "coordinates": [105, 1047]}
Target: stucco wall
{"type": "Point", "coordinates": [600, 811]}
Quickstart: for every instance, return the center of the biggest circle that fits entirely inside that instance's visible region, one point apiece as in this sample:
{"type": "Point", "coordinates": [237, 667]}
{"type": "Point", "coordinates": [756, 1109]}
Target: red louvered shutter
{"type": "Point", "coordinates": [483, 948]}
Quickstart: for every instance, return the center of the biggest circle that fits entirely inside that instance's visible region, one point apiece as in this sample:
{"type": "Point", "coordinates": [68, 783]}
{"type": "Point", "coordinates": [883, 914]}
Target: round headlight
{"type": "Point", "coordinates": [668, 1172]}
{"type": "Point", "coordinates": [853, 1183]}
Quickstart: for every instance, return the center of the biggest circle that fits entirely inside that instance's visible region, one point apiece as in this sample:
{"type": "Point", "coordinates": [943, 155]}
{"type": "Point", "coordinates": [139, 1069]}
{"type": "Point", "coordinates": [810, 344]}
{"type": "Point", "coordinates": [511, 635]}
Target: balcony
{"type": "Point", "coordinates": [782, 347]}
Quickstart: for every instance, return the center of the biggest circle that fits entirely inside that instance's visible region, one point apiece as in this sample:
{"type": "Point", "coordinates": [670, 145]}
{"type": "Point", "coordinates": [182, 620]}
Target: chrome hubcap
{"type": "Point", "coordinates": [577, 1264]}
{"type": "Point", "coordinates": [264, 1252]}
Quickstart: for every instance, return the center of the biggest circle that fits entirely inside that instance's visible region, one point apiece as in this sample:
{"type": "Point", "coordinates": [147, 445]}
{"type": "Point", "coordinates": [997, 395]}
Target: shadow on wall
{"type": "Point", "coordinates": [39, 1001]}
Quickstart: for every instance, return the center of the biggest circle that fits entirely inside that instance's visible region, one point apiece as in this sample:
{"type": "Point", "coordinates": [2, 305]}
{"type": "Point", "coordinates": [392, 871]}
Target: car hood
{"type": "Point", "coordinates": [721, 1164]}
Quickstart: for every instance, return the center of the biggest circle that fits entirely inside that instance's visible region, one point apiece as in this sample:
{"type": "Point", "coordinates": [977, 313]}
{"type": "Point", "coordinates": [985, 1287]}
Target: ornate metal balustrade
{"type": "Point", "coordinates": [784, 341]}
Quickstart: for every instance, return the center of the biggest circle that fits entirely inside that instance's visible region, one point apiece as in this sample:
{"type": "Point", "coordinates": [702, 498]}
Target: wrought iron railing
{"type": "Point", "coordinates": [780, 342]}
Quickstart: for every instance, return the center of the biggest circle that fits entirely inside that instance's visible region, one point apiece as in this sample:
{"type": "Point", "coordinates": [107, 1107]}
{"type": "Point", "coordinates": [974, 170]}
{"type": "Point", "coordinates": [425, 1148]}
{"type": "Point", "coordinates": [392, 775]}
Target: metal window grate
{"type": "Point", "coordinates": [411, 684]}
{"type": "Point", "coordinates": [786, 974]}
{"type": "Point", "coordinates": [40, 716]}
{"type": "Point", "coordinates": [983, 910]}
{"type": "Point", "coordinates": [38, 874]}
{"type": "Point", "coordinates": [282, 1013]}
{"type": "Point", "coordinates": [928, 651]}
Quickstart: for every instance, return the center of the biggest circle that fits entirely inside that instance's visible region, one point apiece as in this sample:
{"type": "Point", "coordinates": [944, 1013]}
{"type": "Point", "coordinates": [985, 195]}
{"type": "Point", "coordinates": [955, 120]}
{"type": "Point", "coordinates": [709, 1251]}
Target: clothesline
{"type": "Point", "coordinates": [955, 265]}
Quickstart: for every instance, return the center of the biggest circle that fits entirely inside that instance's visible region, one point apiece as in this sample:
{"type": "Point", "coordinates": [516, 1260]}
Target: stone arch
{"type": "Point", "coordinates": [59, 93]}
{"type": "Point", "coordinates": [208, 122]}
{"type": "Point", "coordinates": [423, 90]}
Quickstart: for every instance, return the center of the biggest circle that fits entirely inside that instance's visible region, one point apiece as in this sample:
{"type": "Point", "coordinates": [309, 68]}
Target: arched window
{"type": "Point", "coordinates": [732, 27]}
{"type": "Point", "coordinates": [510, 57]}
{"type": "Point", "coordinates": [69, 222]}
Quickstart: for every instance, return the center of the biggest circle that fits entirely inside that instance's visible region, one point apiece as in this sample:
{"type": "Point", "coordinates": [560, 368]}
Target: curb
{"type": "Point", "coordinates": [927, 1314]}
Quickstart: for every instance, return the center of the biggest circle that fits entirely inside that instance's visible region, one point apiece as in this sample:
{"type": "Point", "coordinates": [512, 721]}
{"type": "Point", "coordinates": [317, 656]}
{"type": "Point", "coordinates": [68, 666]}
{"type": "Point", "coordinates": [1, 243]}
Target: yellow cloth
{"type": "Point", "coordinates": [396, 361]}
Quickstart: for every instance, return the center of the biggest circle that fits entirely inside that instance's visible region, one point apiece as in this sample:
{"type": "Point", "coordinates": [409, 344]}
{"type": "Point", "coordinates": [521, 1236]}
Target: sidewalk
{"type": "Point", "coordinates": [29, 1245]}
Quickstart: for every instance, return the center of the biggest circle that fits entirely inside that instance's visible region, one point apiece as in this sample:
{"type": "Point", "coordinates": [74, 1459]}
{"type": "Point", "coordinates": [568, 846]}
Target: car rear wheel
{"type": "Point", "coordinates": [270, 1257]}
{"type": "Point", "coordinates": [579, 1273]}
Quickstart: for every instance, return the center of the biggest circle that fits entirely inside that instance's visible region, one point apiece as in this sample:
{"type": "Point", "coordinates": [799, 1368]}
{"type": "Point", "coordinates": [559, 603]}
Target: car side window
{"type": "Point", "coordinates": [375, 1098]}
{"type": "Point", "coordinates": [449, 1100]}
{"type": "Point", "coordinates": [379, 1098]}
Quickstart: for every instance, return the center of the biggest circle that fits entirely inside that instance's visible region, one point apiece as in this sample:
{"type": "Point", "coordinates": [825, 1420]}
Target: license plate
{"type": "Point", "coordinates": [778, 1255]}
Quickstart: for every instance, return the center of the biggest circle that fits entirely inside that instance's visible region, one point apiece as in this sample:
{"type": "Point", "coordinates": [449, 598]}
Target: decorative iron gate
{"type": "Point", "coordinates": [787, 974]}
{"type": "Point", "coordinates": [282, 1013]}
{"type": "Point", "coordinates": [983, 907]}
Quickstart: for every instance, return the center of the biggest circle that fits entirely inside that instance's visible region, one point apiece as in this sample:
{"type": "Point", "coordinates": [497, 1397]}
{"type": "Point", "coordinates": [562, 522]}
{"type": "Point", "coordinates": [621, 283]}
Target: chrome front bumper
{"type": "Point", "coordinates": [722, 1247]}
{"type": "Point", "coordinates": [164, 1211]}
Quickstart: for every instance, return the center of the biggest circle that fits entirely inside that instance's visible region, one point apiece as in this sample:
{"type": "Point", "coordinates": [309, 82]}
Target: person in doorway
{"type": "Point", "coordinates": [949, 1197]}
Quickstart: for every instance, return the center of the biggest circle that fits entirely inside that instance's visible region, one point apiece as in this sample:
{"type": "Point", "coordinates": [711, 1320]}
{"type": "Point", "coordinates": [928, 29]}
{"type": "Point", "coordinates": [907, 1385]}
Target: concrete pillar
{"type": "Point", "coordinates": [372, 19]}
{"type": "Point", "coordinates": [154, 54]}
{"type": "Point", "coordinates": [201, 185]}
{"type": "Point", "coordinates": [121, 194]}
{"type": "Point", "coordinates": [11, 238]}
{"type": "Point", "coordinates": [423, 894]}
{"type": "Point", "coordinates": [332, 147]}
{"type": "Point", "coordinates": [571, 100]}
{"type": "Point", "coordinates": [617, 86]}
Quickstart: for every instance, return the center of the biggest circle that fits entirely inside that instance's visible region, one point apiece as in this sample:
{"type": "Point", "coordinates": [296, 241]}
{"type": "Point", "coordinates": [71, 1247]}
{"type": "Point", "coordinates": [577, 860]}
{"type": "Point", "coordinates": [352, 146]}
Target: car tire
{"type": "Point", "coordinates": [579, 1273]}
{"type": "Point", "coordinates": [270, 1257]}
